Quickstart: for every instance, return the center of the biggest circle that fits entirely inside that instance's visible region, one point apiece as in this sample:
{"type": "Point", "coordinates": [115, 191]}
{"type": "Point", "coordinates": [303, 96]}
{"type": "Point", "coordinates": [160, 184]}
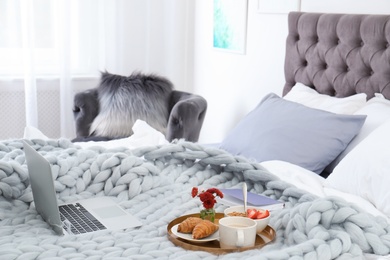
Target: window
{"type": "Point", "coordinates": [39, 33]}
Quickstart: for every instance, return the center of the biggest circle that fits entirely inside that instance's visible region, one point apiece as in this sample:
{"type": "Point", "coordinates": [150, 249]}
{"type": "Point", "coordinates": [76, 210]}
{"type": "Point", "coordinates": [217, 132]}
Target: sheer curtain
{"type": "Point", "coordinates": [60, 40]}
{"type": "Point", "coordinates": [51, 49]}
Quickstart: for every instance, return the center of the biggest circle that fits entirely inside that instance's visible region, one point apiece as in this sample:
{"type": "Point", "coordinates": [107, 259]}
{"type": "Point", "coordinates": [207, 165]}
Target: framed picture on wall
{"type": "Point", "coordinates": [278, 6]}
{"type": "Point", "coordinates": [230, 22]}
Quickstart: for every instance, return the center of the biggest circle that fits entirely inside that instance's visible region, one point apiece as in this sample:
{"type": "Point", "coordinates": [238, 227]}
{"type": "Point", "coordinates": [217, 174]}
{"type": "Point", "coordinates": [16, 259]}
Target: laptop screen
{"type": "Point", "coordinates": [42, 186]}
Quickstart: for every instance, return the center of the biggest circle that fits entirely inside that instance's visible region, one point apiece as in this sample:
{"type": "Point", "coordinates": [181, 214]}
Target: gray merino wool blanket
{"type": "Point", "coordinates": [154, 184]}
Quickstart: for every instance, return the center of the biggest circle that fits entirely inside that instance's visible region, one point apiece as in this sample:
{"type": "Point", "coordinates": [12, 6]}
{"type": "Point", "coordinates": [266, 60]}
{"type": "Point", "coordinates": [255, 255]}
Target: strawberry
{"type": "Point", "coordinates": [262, 214]}
{"type": "Point", "coordinates": [257, 214]}
{"type": "Point", "coordinates": [251, 213]}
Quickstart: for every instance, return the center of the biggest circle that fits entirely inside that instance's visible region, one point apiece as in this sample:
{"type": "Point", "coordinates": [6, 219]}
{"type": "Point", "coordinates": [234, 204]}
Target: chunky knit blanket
{"type": "Point", "coordinates": [154, 184]}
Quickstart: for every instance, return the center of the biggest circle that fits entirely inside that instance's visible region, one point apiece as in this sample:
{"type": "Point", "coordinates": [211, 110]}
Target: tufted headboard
{"type": "Point", "coordinates": [338, 54]}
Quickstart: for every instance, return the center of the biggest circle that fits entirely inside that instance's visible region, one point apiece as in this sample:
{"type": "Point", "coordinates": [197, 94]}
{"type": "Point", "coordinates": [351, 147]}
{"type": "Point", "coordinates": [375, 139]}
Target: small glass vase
{"type": "Point", "coordinates": [208, 214]}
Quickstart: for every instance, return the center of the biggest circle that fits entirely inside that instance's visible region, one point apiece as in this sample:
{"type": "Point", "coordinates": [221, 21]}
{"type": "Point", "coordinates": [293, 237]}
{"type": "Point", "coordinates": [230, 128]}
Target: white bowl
{"type": "Point", "coordinates": [261, 223]}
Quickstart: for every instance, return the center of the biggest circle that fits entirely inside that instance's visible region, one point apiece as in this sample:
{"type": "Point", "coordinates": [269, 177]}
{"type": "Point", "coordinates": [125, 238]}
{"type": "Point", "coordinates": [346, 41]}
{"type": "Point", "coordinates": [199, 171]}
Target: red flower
{"type": "Point", "coordinates": [194, 192]}
{"type": "Point", "coordinates": [216, 191]}
{"type": "Point", "coordinates": [207, 197]}
{"type": "Point", "coordinates": [209, 204]}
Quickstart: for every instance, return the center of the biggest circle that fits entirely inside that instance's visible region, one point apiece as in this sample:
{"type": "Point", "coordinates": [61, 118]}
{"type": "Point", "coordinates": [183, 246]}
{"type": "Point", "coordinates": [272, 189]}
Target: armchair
{"type": "Point", "coordinates": [110, 110]}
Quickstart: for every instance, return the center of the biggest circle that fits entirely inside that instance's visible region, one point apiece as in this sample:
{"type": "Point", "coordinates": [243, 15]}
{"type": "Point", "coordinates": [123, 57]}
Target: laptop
{"type": "Point", "coordinates": [79, 217]}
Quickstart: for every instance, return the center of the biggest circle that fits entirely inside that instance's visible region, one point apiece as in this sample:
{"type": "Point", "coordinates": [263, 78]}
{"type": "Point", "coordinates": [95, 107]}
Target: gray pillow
{"type": "Point", "coordinates": [278, 129]}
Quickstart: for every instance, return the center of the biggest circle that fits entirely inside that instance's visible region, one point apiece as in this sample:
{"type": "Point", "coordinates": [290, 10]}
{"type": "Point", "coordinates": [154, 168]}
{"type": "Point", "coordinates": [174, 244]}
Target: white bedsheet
{"type": "Point", "coordinates": [314, 184]}
{"type": "Point", "coordinates": [143, 135]}
{"type": "Point", "coordinates": [311, 182]}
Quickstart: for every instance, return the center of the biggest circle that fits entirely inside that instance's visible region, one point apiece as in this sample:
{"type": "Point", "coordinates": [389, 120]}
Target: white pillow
{"type": "Point", "coordinates": [377, 110]}
{"type": "Point", "coordinates": [311, 98]}
{"type": "Point", "coordinates": [364, 171]}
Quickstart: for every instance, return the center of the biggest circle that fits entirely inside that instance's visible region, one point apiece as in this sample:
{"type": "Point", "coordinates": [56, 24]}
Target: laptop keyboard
{"type": "Point", "coordinates": [77, 220]}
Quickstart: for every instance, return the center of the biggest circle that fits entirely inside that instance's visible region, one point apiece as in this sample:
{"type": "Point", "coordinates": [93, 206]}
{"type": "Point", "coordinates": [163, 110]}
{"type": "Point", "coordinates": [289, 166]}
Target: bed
{"type": "Point", "coordinates": [331, 175]}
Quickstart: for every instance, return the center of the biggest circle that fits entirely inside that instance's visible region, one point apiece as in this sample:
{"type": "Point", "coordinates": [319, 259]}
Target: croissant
{"type": "Point", "coordinates": [187, 226]}
{"type": "Point", "coordinates": [204, 229]}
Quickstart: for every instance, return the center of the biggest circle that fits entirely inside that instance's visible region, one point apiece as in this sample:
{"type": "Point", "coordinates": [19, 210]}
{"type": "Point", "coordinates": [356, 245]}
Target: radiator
{"type": "Point", "coordinates": [12, 99]}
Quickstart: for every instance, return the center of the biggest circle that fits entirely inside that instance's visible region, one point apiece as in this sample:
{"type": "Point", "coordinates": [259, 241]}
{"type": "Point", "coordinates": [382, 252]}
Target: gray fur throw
{"type": "Point", "coordinates": [154, 184]}
{"type": "Point", "coordinates": [124, 99]}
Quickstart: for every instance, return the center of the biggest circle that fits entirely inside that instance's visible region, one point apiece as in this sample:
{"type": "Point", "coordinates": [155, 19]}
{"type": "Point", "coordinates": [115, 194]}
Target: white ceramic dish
{"type": "Point", "coordinates": [261, 223]}
{"type": "Point", "coordinates": [188, 237]}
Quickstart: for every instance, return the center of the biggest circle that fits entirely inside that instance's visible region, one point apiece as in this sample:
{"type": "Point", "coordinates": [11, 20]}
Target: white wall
{"type": "Point", "coordinates": [234, 84]}
{"type": "Point", "coordinates": [346, 6]}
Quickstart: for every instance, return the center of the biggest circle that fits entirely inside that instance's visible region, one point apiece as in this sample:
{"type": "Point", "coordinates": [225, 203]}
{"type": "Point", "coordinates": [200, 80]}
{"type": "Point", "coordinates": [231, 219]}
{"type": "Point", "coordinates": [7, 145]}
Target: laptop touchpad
{"type": "Point", "coordinates": [109, 212]}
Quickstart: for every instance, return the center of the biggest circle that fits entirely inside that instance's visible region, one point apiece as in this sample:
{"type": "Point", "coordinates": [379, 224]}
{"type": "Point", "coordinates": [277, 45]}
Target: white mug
{"type": "Point", "coordinates": [237, 232]}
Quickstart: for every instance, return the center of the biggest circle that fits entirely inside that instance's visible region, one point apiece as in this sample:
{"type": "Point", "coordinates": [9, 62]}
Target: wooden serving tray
{"type": "Point", "coordinates": [264, 237]}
